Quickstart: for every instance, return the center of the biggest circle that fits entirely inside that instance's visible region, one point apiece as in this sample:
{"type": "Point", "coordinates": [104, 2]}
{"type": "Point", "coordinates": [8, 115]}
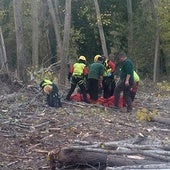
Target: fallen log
{"type": "Point", "coordinates": [161, 119]}
{"type": "Point", "coordinates": [8, 97]}
{"type": "Point", "coordinates": [111, 154]}
{"type": "Point", "coordinates": [75, 157]}
{"type": "Point", "coordinates": [151, 166]}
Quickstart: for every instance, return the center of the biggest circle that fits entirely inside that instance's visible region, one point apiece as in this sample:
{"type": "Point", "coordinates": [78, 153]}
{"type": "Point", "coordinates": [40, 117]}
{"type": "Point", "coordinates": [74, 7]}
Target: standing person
{"type": "Point", "coordinates": [95, 77]}
{"type": "Point", "coordinates": [108, 78]}
{"type": "Point", "coordinates": [78, 72]}
{"type": "Point", "coordinates": [125, 83]}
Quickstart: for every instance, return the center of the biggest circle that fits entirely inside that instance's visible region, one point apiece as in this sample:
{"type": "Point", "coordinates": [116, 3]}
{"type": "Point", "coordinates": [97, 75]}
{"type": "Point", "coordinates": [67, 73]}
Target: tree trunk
{"type": "Point", "coordinates": [100, 26]}
{"type": "Point", "coordinates": [123, 156]}
{"type": "Point", "coordinates": [130, 27]}
{"type": "Point", "coordinates": [56, 29]}
{"type": "Point", "coordinates": [58, 19]}
{"type": "Point", "coordinates": [3, 57]}
{"type": "Point", "coordinates": [21, 61]}
{"type": "Point", "coordinates": [161, 119]}
{"type": "Point", "coordinates": [35, 36]}
{"type": "Point", "coordinates": [138, 167]}
{"type": "Point", "coordinates": [136, 152]}
{"type": "Point", "coordinates": [156, 55]}
{"type": "Point", "coordinates": [66, 38]}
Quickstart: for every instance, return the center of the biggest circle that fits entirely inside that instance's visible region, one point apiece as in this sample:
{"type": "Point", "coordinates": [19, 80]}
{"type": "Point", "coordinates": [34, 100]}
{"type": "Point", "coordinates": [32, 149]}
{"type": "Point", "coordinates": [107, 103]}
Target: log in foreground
{"type": "Point", "coordinates": [100, 157]}
{"type": "Point", "coordinates": [97, 158]}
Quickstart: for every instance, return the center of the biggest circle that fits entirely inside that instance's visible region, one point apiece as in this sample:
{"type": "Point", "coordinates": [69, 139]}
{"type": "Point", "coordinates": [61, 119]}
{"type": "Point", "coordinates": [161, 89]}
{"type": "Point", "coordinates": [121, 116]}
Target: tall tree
{"type": "Point", "coordinates": [35, 34]}
{"type": "Point", "coordinates": [21, 61]}
{"type": "Point", "coordinates": [100, 26]}
{"type": "Point", "coordinates": [164, 25]}
{"type": "Point", "coordinates": [130, 27]}
{"type": "Point", "coordinates": [56, 28]}
{"type": "Point", "coordinates": [66, 38]}
{"type": "Point", "coordinates": [157, 43]}
{"type": "Point", "coordinates": [3, 56]}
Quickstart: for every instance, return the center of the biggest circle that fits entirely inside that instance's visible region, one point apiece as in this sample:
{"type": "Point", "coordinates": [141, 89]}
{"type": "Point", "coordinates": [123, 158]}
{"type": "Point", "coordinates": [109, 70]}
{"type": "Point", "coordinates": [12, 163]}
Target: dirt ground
{"type": "Point", "coordinates": [29, 129]}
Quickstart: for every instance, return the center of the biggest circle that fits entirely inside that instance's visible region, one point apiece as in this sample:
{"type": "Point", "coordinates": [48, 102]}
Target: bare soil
{"type": "Point", "coordinates": [29, 129]}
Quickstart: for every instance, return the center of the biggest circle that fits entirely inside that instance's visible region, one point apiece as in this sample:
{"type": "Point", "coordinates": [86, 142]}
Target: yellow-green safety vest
{"type": "Point", "coordinates": [107, 69]}
{"type": "Point", "coordinates": [78, 69]}
{"type": "Point", "coordinates": [136, 77]}
{"type": "Point", "coordinates": [47, 82]}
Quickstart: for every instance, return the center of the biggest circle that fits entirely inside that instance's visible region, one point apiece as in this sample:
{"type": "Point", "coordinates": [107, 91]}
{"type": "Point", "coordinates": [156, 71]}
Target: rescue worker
{"type": "Point", "coordinates": [95, 78]}
{"type": "Point", "coordinates": [135, 86]}
{"type": "Point", "coordinates": [51, 90]}
{"type": "Point", "coordinates": [125, 83]}
{"type": "Point", "coordinates": [108, 78]}
{"type": "Point", "coordinates": [78, 72]}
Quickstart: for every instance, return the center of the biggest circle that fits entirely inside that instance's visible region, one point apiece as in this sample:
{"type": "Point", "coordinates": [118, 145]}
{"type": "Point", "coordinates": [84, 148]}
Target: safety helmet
{"type": "Point", "coordinates": [97, 57]}
{"type": "Point", "coordinates": [82, 58]}
{"type": "Point", "coordinates": [45, 82]}
{"type": "Point", "coordinates": [47, 89]}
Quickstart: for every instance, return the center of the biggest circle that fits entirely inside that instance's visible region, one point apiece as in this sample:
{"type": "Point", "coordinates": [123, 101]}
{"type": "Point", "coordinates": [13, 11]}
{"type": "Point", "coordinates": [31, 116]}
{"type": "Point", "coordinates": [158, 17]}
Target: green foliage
{"type": "Point", "coordinates": [164, 18]}
{"type": "Point", "coordinates": [164, 86]}
{"type": "Point", "coordinates": [144, 114]}
{"type": "Point", "coordinates": [144, 36]}
{"type": "Point", "coordinates": [85, 38]}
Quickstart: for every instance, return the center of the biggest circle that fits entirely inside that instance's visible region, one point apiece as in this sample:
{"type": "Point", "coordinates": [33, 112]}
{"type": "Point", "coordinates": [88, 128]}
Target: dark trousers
{"type": "Point", "coordinates": [93, 88]}
{"type": "Point", "coordinates": [53, 100]}
{"type": "Point", "coordinates": [126, 93]}
{"type": "Point", "coordinates": [77, 80]}
{"type": "Point", "coordinates": [134, 90]}
{"type": "Point", "coordinates": [108, 86]}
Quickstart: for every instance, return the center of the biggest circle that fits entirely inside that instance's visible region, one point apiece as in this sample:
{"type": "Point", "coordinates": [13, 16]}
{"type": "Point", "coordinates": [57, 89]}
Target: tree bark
{"type": "Point", "coordinates": [3, 57]}
{"type": "Point", "coordinates": [112, 154]}
{"type": "Point", "coordinates": [101, 157]}
{"type": "Point", "coordinates": [21, 60]}
{"type": "Point", "coordinates": [66, 39]}
{"type": "Point", "coordinates": [100, 26]}
{"type": "Point", "coordinates": [130, 27]}
{"type": "Point", "coordinates": [156, 55]}
{"type": "Point", "coordinates": [161, 120]}
{"type": "Point", "coordinates": [35, 36]}
{"type": "Point", "coordinates": [56, 29]}
{"type": "Point", "coordinates": [150, 166]}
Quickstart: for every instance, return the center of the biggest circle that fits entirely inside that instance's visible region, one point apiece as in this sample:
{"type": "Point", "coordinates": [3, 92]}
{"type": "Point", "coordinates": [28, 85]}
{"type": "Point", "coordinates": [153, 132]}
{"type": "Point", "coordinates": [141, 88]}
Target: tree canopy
{"type": "Point", "coordinates": [84, 32]}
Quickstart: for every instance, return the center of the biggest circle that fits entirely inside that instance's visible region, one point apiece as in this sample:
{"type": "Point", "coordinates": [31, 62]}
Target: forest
{"type": "Point", "coordinates": [40, 39]}
{"type": "Point", "coordinates": [40, 34]}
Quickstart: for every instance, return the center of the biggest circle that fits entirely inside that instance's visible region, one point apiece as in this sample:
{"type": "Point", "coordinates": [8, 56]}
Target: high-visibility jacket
{"type": "Point", "coordinates": [79, 69]}
{"type": "Point", "coordinates": [109, 67]}
{"type": "Point", "coordinates": [136, 77]}
{"type": "Point", "coordinates": [46, 82]}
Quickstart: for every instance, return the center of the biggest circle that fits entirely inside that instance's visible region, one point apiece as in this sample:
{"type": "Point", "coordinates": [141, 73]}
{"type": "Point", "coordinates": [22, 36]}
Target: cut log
{"type": "Point", "coordinates": [75, 156]}
{"type": "Point", "coordinates": [12, 96]}
{"type": "Point", "coordinates": [81, 157]}
{"type": "Point", "coordinates": [161, 120]}
{"type": "Point", "coordinates": [113, 154]}
{"type": "Point", "coordinates": [3, 56]}
{"type": "Point", "coordinates": [151, 166]}
{"type": "Point", "coordinates": [117, 160]}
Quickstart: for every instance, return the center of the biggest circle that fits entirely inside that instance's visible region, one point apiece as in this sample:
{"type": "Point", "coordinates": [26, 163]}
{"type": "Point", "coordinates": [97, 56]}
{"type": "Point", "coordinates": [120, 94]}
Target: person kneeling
{"type": "Point", "coordinates": [51, 90]}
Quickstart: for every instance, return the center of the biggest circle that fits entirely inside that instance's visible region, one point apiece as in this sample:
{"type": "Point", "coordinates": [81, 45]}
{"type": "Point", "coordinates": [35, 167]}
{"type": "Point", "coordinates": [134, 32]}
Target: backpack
{"type": "Point", "coordinates": [53, 99]}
